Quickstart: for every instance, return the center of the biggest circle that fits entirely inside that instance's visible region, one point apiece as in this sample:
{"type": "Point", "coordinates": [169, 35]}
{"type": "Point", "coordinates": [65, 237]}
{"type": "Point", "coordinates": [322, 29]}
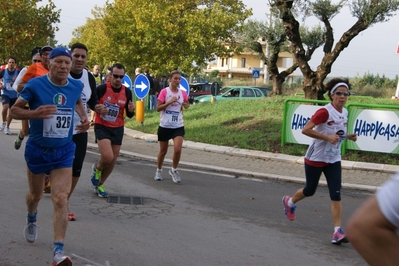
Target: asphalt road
{"type": "Point", "coordinates": [209, 219]}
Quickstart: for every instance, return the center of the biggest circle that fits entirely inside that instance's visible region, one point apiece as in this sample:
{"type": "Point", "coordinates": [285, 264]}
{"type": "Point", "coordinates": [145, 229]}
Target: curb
{"type": "Point", "coordinates": [349, 165]}
{"type": "Point", "coordinates": [237, 152]}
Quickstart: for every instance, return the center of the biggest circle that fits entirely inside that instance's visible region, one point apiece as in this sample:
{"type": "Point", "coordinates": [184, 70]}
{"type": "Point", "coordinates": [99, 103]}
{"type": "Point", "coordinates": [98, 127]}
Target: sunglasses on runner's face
{"type": "Point", "coordinates": [118, 76]}
{"type": "Point", "coordinates": [340, 93]}
{"type": "Point", "coordinates": [36, 61]}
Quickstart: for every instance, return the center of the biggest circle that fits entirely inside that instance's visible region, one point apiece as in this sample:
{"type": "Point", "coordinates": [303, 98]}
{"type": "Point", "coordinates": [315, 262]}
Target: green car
{"type": "Point", "coordinates": [233, 93]}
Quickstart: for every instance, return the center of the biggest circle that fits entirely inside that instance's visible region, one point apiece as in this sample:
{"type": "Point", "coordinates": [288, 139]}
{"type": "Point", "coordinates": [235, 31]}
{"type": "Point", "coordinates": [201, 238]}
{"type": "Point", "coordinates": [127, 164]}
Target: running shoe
{"type": "Point", "coordinates": [30, 232]}
{"type": "Point", "coordinates": [175, 176]}
{"type": "Point", "coordinates": [2, 126]}
{"type": "Point", "coordinates": [339, 237]}
{"type": "Point", "coordinates": [18, 142]}
{"type": "Point", "coordinates": [101, 192]}
{"type": "Point", "coordinates": [95, 175]}
{"type": "Point", "coordinates": [7, 131]}
{"type": "Point", "coordinates": [158, 175]}
{"type": "Point", "coordinates": [289, 211]}
{"type": "Point", "coordinates": [71, 216]}
{"type": "Point", "coordinates": [60, 259]}
{"type": "Point", "coordinates": [47, 185]}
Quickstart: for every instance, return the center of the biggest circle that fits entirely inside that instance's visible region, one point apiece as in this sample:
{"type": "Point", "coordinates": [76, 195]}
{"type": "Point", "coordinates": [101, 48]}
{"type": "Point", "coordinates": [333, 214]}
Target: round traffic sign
{"type": "Point", "coordinates": [141, 86]}
{"type": "Point", "coordinates": [127, 82]}
{"type": "Point", "coordinates": [184, 85]}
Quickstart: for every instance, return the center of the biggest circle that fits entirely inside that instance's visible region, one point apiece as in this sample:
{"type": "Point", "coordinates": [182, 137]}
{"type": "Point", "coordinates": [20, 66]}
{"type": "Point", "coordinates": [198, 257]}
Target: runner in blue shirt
{"type": "Point", "coordinates": [53, 99]}
{"type": "Point", "coordinates": [8, 94]}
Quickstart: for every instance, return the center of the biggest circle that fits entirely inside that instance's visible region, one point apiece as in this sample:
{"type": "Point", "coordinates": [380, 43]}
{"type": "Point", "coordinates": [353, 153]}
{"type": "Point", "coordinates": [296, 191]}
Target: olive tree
{"type": "Point", "coordinates": [255, 32]}
{"type": "Point", "coordinates": [367, 13]}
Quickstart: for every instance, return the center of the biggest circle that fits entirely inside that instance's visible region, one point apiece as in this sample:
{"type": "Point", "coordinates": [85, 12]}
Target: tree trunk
{"type": "Point", "coordinates": [277, 84]}
{"type": "Point", "coordinates": [313, 87]}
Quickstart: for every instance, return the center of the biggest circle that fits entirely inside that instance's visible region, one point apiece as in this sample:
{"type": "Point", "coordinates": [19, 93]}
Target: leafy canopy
{"type": "Point", "coordinates": [24, 25]}
{"type": "Point", "coordinates": [162, 35]}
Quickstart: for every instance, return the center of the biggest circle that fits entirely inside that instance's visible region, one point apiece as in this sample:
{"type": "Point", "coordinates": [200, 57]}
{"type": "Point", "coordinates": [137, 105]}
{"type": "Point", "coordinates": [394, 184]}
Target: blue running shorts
{"type": "Point", "coordinates": [43, 160]}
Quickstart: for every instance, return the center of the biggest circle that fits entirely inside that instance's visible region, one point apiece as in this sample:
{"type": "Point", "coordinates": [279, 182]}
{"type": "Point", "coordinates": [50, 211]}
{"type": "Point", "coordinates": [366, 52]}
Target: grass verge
{"type": "Point", "coordinates": [251, 124]}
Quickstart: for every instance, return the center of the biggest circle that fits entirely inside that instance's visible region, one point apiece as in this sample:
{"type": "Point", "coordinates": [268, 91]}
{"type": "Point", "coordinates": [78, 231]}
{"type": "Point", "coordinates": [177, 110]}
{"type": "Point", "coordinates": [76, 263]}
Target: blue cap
{"type": "Point", "coordinates": [60, 51]}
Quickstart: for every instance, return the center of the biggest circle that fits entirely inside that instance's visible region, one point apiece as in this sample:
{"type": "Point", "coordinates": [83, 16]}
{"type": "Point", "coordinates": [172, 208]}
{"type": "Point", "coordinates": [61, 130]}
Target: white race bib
{"type": "Point", "coordinates": [58, 126]}
{"type": "Point", "coordinates": [172, 118]}
{"type": "Point", "coordinates": [113, 111]}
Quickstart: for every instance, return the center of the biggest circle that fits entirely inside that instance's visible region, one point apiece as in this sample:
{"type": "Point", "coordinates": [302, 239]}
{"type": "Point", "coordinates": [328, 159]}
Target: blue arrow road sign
{"type": "Point", "coordinates": [255, 74]}
{"type": "Point", "coordinates": [184, 85]}
{"type": "Point", "coordinates": [127, 82]}
{"type": "Point", "coordinates": [141, 86]}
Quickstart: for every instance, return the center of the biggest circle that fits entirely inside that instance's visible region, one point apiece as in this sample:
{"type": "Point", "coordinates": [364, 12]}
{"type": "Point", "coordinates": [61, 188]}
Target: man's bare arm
{"type": "Point", "coordinates": [18, 111]}
{"type": "Point", "coordinates": [80, 110]}
{"type": "Point", "coordinates": [20, 86]}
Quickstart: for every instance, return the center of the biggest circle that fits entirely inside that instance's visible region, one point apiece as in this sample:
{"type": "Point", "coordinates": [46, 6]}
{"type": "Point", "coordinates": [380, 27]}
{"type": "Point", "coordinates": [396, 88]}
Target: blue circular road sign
{"type": "Point", "coordinates": [184, 85]}
{"type": "Point", "coordinates": [127, 82]}
{"type": "Point", "coordinates": [141, 86]}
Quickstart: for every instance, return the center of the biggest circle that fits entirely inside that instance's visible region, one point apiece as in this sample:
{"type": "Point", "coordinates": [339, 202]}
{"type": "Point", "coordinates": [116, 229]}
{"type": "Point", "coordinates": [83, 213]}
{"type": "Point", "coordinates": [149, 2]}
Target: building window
{"type": "Point", "coordinates": [243, 62]}
{"type": "Point", "coordinates": [287, 62]}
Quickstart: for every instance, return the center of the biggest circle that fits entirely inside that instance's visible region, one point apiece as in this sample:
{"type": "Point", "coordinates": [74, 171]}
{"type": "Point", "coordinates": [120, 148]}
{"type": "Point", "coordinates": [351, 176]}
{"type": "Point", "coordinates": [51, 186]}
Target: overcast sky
{"type": "Point", "coordinates": [373, 51]}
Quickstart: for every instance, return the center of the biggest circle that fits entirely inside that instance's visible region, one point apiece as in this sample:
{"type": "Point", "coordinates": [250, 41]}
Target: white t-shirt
{"type": "Point", "coordinates": [172, 116]}
{"type": "Point", "coordinates": [388, 200]}
{"type": "Point", "coordinates": [86, 94]}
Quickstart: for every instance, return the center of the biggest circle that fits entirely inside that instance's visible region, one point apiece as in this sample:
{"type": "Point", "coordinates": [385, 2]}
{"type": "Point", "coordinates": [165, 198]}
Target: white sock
{"type": "Point", "coordinates": [174, 169]}
{"type": "Point", "coordinates": [159, 170]}
{"type": "Point", "coordinates": [290, 203]}
{"type": "Point", "coordinates": [336, 228]}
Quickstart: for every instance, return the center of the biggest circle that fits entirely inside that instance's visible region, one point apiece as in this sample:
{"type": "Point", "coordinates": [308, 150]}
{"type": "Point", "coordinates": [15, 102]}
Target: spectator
{"type": "Point", "coordinates": [153, 97]}
{"type": "Point", "coordinates": [137, 71]}
{"type": "Point", "coordinates": [98, 77]}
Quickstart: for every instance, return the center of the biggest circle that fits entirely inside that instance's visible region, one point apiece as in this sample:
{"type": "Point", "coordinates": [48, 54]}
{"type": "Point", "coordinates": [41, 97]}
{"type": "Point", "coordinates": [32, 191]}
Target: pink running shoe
{"type": "Point", "coordinates": [339, 237]}
{"type": "Point", "coordinates": [289, 211]}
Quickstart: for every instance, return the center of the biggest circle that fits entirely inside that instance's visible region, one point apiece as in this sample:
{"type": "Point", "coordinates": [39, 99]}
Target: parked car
{"type": "Point", "coordinates": [233, 93]}
{"type": "Point", "coordinates": [265, 91]}
{"type": "Point", "coordinates": [198, 89]}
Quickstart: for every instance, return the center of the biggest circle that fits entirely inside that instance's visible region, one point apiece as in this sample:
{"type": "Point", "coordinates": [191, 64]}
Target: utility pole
{"type": "Point", "coordinates": [397, 87]}
{"type": "Point", "coordinates": [265, 67]}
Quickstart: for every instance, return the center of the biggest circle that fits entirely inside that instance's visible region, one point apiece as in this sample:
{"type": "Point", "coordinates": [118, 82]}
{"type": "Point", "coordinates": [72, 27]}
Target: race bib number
{"type": "Point", "coordinates": [334, 149]}
{"type": "Point", "coordinates": [172, 118]}
{"type": "Point", "coordinates": [84, 101]}
{"type": "Point", "coordinates": [9, 86]}
{"type": "Point", "coordinates": [331, 149]}
{"type": "Point", "coordinates": [113, 111]}
{"type": "Point", "coordinates": [58, 126]}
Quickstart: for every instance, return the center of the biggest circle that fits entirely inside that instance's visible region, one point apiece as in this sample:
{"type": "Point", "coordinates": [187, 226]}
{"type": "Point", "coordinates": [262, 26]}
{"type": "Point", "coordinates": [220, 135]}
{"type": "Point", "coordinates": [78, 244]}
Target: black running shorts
{"type": "Point", "coordinates": [113, 134]}
{"type": "Point", "coordinates": [165, 134]}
